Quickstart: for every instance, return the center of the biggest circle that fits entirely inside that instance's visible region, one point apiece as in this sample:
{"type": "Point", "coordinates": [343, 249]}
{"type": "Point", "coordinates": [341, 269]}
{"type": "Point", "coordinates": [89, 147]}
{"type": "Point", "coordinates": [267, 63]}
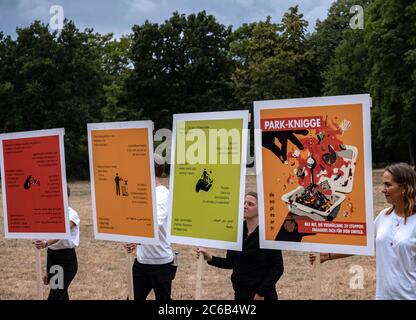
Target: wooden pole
{"type": "Point", "coordinates": [317, 278]}
{"type": "Point", "coordinates": [39, 280]}
{"type": "Point", "coordinates": [199, 277]}
{"type": "Point", "coordinates": [130, 276]}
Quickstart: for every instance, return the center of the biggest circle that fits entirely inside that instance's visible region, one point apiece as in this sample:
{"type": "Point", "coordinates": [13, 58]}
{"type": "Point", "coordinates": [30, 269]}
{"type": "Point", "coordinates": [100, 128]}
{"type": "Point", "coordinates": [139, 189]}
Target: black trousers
{"type": "Point", "coordinates": [248, 293]}
{"type": "Point", "coordinates": [67, 259]}
{"type": "Point", "coordinates": [157, 277]}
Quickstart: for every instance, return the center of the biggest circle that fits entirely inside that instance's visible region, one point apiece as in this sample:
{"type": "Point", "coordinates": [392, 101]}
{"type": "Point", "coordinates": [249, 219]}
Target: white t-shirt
{"type": "Point", "coordinates": [74, 241]}
{"type": "Point", "coordinates": [162, 253]}
{"type": "Point", "coordinates": [396, 257]}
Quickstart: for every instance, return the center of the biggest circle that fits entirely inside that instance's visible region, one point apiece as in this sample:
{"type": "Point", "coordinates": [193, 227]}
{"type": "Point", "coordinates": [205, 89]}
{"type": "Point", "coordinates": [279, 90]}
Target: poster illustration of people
{"type": "Point", "coordinates": [314, 173]}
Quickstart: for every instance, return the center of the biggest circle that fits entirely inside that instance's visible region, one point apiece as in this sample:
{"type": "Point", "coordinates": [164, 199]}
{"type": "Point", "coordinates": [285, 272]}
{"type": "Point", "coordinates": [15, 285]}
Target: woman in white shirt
{"type": "Point", "coordinates": [395, 230]}
{"type": "Point", "coordinates": [61, 254]}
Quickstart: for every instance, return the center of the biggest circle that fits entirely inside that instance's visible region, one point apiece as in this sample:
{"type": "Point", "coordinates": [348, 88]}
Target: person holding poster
{"type": "Point", "coordinates": [395, 236]}
{"type": "Point", "coordinates": [153, 268]}
{"type": "Point", "coordinates": [255, 271]}
{"type": "Point", "coordinates": [61, 259]}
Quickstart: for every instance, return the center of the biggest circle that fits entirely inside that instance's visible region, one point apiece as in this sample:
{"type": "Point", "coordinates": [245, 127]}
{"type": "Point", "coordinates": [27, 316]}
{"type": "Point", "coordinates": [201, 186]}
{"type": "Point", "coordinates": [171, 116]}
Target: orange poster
{"type": "Point", "coordinates": [122, 181]}
{"type": "Point", "coordinates": [34, 185]}
{"type": "Point", "coordinates": [314, 174]}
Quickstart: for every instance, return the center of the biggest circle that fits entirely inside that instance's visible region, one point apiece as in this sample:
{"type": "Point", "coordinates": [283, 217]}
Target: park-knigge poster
{"type": "Point", "coordinates": [208, 178]}
{"type": "Point", "coordinates": [122, 181]}
{"type": "Point", "coordinates": [314, 174]}
{"type": "Point", "coordinates": [34, 185]}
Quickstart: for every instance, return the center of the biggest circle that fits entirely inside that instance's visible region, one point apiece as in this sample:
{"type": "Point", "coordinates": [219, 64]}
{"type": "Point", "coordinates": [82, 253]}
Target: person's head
{"type": "Point", "coordinates": [250, 206]}
{"type": "Point", "coordinates": [399, 187]}
{"type": "Point", "coordinates": [159, 165]}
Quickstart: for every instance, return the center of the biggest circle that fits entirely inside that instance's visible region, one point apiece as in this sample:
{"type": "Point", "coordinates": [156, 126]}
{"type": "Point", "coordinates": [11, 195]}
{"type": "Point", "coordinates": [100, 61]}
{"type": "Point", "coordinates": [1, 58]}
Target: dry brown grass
{"type": "Point", "coordinates": [102, 265]}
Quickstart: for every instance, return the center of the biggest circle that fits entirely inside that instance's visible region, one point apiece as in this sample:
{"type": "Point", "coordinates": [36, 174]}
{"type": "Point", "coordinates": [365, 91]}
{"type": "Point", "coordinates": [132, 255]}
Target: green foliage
{"type": "Point", "coordinates": [330, 34]}
{"type": "Point", "coordinates": [272, 59]}
{"type": "Point", "coordinates": [390, 39]}
{"type": "Point", "coordinates": [53, 80]}
{"type": "Point", "coordinates": [379, 59]}
{"type": "Point", "coordinates": [348, 70]}
{"type": "Point", "coordinates": [192, 63]}
{"type": "Point", "coordinates": [117, 69]}
{"type": "Point", "coordinates": [180, 66]}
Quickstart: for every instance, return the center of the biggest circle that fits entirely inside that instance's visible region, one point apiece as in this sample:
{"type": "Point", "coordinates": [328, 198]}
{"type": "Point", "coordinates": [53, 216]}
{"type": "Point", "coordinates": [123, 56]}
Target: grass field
{"type": "Point", "coordinates": [102, 265]}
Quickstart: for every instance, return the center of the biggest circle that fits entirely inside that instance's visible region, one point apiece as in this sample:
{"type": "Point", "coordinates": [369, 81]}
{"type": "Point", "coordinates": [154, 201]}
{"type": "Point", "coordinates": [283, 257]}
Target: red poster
{"type": "Point", "coordinates": [34, 186]}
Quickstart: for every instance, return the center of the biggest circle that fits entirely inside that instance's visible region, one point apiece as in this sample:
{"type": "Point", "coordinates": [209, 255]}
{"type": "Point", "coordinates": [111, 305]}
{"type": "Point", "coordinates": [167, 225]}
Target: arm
{"type": "Point", "coordinates": [274, 274]}
{"type": "Point", "coordinates": [327, 256]}
{"type": "Point", "coordinates": [335, 256]}
{"type": "Point", "coordinates": [223, 263]}
{"type": "Point", "coordinates": [50, 242]}
{"type": "Point", "coordinates": [162, 209]}
{"type": "Point", "coordinates": [42, 244]}
{"type": "Point", "coordinates": [73, 219]}
{"type": "Point", "coordinates": [73, 222]}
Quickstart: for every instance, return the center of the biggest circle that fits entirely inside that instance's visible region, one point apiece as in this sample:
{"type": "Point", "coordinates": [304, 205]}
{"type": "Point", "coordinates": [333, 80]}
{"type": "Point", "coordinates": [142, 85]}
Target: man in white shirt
{"type": "Point", "coordinates": [153, 267]}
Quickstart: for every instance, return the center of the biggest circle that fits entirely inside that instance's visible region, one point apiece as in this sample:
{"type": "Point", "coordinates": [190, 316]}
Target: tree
{"type": "Point", "coordinates": [26, 77]}
{"type": "Point", "coordinates": [50, 81]}
{"type": "Point", "coordinates": [272, 60]}
{"type": "Point", "coordinates": [390, 38]}
{"type": "Point", "coordinates": [293, 29]}
{"type": "Point", "coordinates": [348, 71]}
{"type": "Point", "coordinates": [7, 59]}
{"type": "Point", "coordinates": [297, 42]}
{"type": "Point", "coordinates": [327, 37]}
{"type": "Point", "coordinates": [117, 68]}
{"type": "Point", "coordinates": [252, 47]}
{"type": "Point", "coordinates": [179, 66]}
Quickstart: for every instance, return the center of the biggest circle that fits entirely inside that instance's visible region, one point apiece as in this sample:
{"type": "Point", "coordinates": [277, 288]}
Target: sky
{"type": "Point", "coordinates": [118, 17]}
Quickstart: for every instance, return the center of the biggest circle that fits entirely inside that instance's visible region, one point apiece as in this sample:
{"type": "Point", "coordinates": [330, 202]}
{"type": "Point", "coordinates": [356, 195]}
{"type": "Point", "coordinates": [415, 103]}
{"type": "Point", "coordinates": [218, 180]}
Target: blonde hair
{"type": "Point", "coordinates": [405, 176]}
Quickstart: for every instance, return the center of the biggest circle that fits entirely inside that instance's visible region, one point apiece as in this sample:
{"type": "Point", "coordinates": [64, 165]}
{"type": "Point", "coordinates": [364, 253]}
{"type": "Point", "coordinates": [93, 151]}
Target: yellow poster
{"type": "Point", "coordinates": [122, 181]}
{"type": "Point", "coordinates": [207, 179]}
{"type": "Point", "coordinates": [314, 173]}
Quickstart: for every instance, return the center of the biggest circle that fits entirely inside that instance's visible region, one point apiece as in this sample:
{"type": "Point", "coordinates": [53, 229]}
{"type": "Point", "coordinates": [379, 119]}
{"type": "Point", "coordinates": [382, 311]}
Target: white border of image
{"type": "Point", "coordinates": [209, 243]}
{"type": "Point", "coordinates": [36, 134]}
{"type": "Point", "coordinates": [365, 101]}
{"type": "Point", "coordinates": [126, 125]}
